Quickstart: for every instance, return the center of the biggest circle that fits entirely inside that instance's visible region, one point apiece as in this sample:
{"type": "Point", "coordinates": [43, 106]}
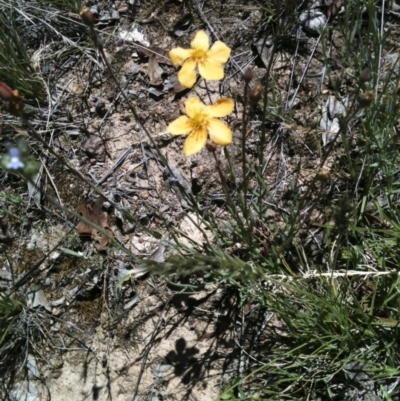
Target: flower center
{"type": "Point", "coordinates": [198, 54]}
{"type": "Point", "coordinates": [199, 120]}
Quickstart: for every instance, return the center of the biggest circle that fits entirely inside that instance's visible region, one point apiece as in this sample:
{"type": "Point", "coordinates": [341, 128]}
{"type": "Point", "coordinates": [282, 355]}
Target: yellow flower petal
{"type": "Point", "coordinates": [200, 42]}
{"type": "Point", "coordinates": [219, 52]}
{"type": "Point", "coordinates": [181, 126]}
{"type": "Point", "coordinates": [187, 74]}
{"type": "Point", "coordinates": [219, 132]}
{"type": "Point", "coordinates": [179, 55]}
{"type": "Point", "coordinates": [222, 108]}
{"type": "Point", "coordinates": [195, 108]}
{"type": "Point", "coordinates": [211, 70]}
{"type": "Point", "coordinates": [195, 141]}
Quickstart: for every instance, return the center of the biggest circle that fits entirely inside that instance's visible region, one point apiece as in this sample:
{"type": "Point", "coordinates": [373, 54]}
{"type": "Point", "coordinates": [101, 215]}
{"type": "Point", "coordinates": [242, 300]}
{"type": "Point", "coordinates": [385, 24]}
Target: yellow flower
{"type": "Point", "coordinates": [200, 119]}
{"type": "Point", "coordinates": [209, 61]}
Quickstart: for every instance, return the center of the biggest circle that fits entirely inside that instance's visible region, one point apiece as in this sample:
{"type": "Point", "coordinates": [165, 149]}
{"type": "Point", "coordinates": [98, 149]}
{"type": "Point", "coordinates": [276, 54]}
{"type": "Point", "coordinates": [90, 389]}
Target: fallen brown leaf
{"type": "Point", "coordinates": [95, 214]}
{"type": "Point", "coordinates": [154, 71]}
{"type": "Point", "coordinates": [160, 54]}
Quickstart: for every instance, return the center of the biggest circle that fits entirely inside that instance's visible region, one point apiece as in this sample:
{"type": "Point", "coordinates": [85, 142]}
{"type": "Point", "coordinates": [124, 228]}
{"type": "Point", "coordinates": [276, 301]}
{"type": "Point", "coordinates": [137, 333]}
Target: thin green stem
{"type": "Point", "coordinates": [244, 134]}
{"type": "Point", "coordinates": [223, 181]}
{"type": "Point", "coordinates": [305, 197]}
{"type": "Point", "coordinates": [163, 159]}
{"type": "Point", "coordinates": [100, 47]}
{"type": "Point", "coordinates": [61, 159]}
{"type": "Point", "coordinates": [89, 223]}
{"type": "Point", "coordinates": [208, 91]}
{"type": "Point", "coordinates": [229, 200]}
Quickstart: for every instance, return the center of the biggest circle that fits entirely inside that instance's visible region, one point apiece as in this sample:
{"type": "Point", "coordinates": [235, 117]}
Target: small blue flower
{"type": "Point", "coordinates": [15, 162]}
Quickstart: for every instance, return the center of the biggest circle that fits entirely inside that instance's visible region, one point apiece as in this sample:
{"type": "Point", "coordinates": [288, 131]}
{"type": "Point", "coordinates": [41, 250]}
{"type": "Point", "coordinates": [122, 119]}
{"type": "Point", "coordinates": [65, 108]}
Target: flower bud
{"type": "Point", "coordinates": [366, 99]}
{"type": "Point", "coordinates": [5, 92]}
{"type": "Point", "coordinates": [248, 75]}
{"type": "Point", "coordinates": [87, 17]}
{"type": "Point", "coordinates": [15, 105]}
{"type": "Point", "coordinates": [365, 76]}
{"type": "Point", "coordinates": [17, 98]}
{"type": "Point", "coordinates": [255, 94]}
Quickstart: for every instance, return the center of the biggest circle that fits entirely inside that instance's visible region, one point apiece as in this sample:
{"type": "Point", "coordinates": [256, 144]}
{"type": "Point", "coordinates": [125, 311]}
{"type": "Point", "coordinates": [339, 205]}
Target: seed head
{"type": "Point", "coordinates": [255, 94]}
{"type": "Point", "coordinates": [365, 76]}
{"type": "Point", "coordinates": [366, 99]}
{"type": "Point", "coordinates": [248, 75]}
{"type": "Point", "coordinates": [323, 175]}
{"type": "Point", "coordinates": [87, 17]}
